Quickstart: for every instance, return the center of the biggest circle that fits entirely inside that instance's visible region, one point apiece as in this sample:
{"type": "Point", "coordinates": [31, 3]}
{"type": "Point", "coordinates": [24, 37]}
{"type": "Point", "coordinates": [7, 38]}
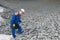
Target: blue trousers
{"type": "Point", "coordinates": [13, 30]}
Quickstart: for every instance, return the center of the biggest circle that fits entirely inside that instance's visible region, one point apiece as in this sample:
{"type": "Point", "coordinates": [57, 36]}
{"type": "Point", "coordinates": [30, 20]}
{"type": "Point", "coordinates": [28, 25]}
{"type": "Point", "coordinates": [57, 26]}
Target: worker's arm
{"type": "Point", "coordinates": [20, 20]}
{"type": "Point", "coordinates": [13, 19]}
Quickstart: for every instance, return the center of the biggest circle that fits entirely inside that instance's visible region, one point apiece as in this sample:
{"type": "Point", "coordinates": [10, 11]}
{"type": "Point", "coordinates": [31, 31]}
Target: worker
{"type": "Point", "coordinates": [15, 21]}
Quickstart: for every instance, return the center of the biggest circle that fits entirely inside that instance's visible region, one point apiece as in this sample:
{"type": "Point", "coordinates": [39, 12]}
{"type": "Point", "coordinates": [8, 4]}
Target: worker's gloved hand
{"type": "Point", "coordinates": [14, 25]}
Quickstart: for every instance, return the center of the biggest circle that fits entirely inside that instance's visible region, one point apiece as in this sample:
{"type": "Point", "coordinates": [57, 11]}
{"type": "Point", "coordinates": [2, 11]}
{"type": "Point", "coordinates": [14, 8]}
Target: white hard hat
{"type": "Point", "coordinates": [23, 10]}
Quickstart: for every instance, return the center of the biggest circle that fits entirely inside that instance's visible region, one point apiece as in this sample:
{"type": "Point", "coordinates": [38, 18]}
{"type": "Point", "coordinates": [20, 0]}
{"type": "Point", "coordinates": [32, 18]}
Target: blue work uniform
{"type": "Point", "coordinates": [15, 19]}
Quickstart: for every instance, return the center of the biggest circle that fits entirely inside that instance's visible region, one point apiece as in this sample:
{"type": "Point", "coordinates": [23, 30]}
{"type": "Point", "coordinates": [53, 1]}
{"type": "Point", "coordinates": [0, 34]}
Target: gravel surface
{"type": "Point", "coordinates": [41, 20]}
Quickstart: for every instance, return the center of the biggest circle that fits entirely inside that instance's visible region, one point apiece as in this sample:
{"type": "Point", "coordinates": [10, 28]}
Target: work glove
{"type": "Point", "coordinates": [14, 25]}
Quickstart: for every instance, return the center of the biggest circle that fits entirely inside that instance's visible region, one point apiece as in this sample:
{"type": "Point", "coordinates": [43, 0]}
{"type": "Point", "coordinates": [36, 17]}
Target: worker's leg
{"type": "Point", "coordinates": [13, 32]}
{"type": "Point", "coordinates": [19, 29]}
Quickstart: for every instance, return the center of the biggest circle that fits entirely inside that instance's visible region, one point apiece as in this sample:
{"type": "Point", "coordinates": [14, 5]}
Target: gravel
{"type": "Point", "coordinates": [40, 24]}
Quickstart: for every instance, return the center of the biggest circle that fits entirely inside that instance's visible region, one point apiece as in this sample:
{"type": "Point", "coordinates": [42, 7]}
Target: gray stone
{"type": "Point", "coordinates": [0, 24]}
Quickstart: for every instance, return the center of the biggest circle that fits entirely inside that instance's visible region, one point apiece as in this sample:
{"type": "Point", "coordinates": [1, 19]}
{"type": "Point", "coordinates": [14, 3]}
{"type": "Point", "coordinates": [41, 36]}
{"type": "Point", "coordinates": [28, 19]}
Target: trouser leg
{"type": "Point", "coordinates": [13, 32]}
{"type": "Point", "coordinates": [19, 29]}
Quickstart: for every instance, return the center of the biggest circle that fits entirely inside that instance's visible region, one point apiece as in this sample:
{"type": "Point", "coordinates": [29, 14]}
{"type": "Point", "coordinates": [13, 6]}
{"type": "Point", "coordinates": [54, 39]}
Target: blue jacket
{"type": "Point", "coordinates": [15, 19]}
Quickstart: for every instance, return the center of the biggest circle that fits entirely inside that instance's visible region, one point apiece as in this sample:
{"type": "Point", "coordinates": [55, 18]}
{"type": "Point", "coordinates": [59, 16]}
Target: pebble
{"type": "Point", "coordinates": [0, 24]}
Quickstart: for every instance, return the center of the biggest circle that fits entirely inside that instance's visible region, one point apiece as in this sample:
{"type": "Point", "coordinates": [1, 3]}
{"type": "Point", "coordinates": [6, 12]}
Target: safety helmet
{"type": "Point", "coordinates": [22, 10]}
